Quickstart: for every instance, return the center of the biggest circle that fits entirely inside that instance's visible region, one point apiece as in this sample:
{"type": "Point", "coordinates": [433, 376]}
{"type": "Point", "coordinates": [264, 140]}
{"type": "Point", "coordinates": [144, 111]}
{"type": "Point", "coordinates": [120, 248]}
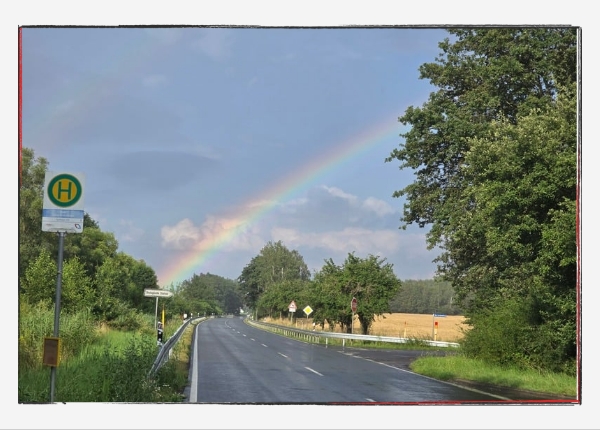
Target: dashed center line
{"type": "Point", "coordinates": [252, 340]}
{"type": "Point", "coordinates": [264, 345]}
{"type": "Point", "coordinates": [369, 400]}
{"type": "Point", "coordinates": [283, 355]}
{"type": "Point", "coordinates": [313, 371]}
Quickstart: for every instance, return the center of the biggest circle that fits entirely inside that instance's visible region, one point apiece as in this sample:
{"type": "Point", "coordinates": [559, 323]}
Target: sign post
{"type": "Point", "coordinates": [292, 309]}
{"type": "Point", "coordinates": [62, 213]}
{"type": "Point", "coordinates": [307, 310]}
{"type": "Point", "coordinates": [149, 292]}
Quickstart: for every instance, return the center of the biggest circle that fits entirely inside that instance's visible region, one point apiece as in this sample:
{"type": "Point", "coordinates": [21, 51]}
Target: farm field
{"type": "Point", "coordinates": [414, 326]}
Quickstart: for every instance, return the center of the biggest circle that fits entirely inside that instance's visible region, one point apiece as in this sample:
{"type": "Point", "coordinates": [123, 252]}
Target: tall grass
{"type": "Point", "coordinates": [115, 369]}
{"type": "Point", "coordinates": [76, 331]}
{"type": "Point", "coordinates": [97, 363]}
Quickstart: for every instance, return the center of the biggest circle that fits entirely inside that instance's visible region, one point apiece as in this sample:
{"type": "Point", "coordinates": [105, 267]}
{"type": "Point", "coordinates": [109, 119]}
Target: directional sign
{"type": "Point", "coordinates": [63, 202]}
{"type": "Point", "coordinates": [307, 310]}
{"type": "Point", "coordinates": [292, 307]}
{"type": "Point", "coordinates": [149, 292]}
{"type": "Point", "coordinates": [353, 304]}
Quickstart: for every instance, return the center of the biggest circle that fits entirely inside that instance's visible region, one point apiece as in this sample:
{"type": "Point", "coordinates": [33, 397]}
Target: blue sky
{"type": "Point", "coordinates": [176, 129]}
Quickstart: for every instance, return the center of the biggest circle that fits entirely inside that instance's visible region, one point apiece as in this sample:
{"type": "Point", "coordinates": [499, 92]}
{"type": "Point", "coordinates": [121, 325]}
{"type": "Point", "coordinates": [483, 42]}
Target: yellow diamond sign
{"type": "Point", "coordinates": [307, 310]}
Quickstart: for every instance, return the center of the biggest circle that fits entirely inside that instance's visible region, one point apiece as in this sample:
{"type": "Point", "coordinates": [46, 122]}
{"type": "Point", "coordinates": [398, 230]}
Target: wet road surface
{"type": "Point", "coordinates": [232, 362]}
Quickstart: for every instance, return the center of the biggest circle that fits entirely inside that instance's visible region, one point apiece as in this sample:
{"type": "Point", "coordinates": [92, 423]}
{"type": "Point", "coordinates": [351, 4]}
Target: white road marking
{"type": "Point", "coordinates": [370, 400]}
{"type": "Point", "coordinates": [264, 345]}
{"type": "Point", "coordinates": [313, 371]}
{"type": "Point", "coordinates": [283, 355]}
{"type": "Point", "coordinates": [252, 340]}
{"type": "Point", "coordinates": [194, 384]}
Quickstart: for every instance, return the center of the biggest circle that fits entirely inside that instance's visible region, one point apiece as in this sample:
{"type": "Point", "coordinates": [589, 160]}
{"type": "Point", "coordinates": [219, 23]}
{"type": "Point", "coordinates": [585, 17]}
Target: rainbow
{"type": "Point", "coordinates": [254, 209]}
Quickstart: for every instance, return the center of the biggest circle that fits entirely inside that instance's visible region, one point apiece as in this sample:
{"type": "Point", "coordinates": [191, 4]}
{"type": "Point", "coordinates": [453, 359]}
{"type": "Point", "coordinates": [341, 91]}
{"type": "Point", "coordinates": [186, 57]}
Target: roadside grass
{"type": "Point", "coordinates": [112, 369]}
{"type": "Point", "coordinates": [458, 367]}
{"type": "Point", "coordinates": [180, 359]}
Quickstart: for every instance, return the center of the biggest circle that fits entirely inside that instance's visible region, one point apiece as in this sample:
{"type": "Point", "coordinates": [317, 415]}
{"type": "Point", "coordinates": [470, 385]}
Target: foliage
{"type": "Point", "coordinates": [206, 294]}
{"type": "Point", "coordinates": [76, 330]}
{"type": "Point", "coordinates": [129, 319]}
{"type": "Point", "coordinates": [276, 300]}
{"type": "Point", "coordinates": [40, 283]}
{"type": "Point", "coordinates": [112, 370]}
{"type": "Point", "coordinates": [370, 280]}
{"type": "Point", "coordinates": [425, 297]}
{"type": "Point", "coordinates": [95, 275]}
{"type": "Point", "coordinates": [494, 153]}
{"type": "Point", "coordinates": [31, 239]}
{"type": "Point", "coordinates": [273, 265]}
{"type": "Point", "coordinates": [505, 335]}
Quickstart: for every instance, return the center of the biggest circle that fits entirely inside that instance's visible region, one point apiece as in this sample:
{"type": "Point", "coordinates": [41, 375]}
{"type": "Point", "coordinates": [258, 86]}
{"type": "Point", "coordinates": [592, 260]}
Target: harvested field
{"type": "Point", "coordinates": [412, 326]}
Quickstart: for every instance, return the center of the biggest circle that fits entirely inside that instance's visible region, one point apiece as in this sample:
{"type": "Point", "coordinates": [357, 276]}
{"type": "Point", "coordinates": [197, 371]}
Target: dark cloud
{"type": "Point", "coordinates": [327, 209]}
{"type": "Point", "coordinates": [158, 170]}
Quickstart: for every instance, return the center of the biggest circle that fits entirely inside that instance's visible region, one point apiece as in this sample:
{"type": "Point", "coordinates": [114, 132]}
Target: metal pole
{"type": "Point", "coordinates": [155, 312]}
{"type": "Point", "coordinates": [59, 263]}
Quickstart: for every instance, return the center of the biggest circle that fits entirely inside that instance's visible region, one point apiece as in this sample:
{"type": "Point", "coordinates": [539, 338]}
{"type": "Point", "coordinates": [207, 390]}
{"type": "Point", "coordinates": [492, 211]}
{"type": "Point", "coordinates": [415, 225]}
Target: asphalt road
{"type": "Point", "coordinates": [232, 362]}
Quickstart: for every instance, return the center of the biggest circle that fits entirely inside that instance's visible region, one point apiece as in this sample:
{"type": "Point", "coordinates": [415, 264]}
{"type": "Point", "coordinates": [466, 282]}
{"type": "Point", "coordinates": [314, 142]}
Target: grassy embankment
{"type": "Point", "coordinates": [111, 366]}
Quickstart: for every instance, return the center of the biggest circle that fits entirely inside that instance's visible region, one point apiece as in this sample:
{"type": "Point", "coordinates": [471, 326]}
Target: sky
{"type": "Point", "coordinates": [194, 159]}
{"type": "Point", "coordinates": [200, 145]}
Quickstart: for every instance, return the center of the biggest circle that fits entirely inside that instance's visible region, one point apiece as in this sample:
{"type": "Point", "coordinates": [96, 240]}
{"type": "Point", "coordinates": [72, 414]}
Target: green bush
{"type": "Point", "coordinates": [509, 334]}
{"type": "Point", "coordinates": [130, 320]}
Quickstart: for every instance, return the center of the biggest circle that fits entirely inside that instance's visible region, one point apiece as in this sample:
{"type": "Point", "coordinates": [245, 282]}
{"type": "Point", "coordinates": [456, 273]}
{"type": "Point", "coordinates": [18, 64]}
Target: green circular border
{"type": "Point", "coordinates": [77, 194]}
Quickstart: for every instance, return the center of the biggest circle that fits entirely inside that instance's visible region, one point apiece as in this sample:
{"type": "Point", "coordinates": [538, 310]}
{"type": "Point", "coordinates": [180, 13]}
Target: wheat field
{"type": "Point", "coordinates": [413, 326]}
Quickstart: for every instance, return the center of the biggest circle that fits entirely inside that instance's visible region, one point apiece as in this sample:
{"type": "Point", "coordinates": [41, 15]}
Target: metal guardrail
{"type": "Point", "coordinates": [165, 350]}
{"type": "Point", "coordinates": [316, 336]}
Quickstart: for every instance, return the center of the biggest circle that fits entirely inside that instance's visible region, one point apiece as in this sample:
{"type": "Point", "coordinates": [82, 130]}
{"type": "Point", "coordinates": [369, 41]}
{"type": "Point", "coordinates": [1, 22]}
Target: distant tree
{"type": "Point", "coordinates": [370, 280]}
{"type": "Point", "coordinates": [274, 264]}
{"type": "Point", "coordinates": [31, 192]}
{"type": "Point", "coordinates": [425, 297]}
{"type": "Point", "coordinates": [275, 301]}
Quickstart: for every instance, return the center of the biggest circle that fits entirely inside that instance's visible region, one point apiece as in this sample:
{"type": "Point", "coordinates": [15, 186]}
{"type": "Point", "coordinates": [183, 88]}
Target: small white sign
{"type": "Point", "coordinates": [149, 292]}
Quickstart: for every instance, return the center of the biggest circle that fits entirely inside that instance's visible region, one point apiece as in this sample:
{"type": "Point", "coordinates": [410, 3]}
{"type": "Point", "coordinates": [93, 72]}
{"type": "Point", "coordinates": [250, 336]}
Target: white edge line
{"type": "Point", "coordinates": [313, 371]}
{"type": "Point", "coordinates": [194, 384]}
